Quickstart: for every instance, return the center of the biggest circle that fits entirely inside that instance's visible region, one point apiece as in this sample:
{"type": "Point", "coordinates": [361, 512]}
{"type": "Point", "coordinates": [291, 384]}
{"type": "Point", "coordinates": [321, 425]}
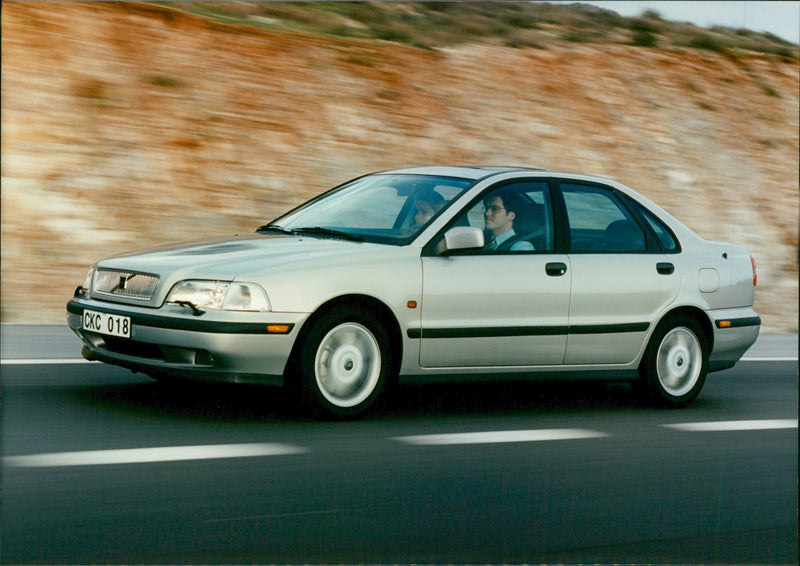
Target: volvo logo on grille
{"type": "Point", "coordinates": [124, 279]}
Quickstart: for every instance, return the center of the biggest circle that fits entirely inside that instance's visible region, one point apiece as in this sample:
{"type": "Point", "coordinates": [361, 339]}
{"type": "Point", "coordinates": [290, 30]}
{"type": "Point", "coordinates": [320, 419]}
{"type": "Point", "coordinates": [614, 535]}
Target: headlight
{"type": "Point", "coordinates": [225, 295]}
{"type": "Point", "coordinates": [246, 297]}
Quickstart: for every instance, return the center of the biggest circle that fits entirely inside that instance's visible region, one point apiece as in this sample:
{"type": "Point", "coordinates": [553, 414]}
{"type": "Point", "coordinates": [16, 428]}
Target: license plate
{"type": "Point", "coordinates": [104, 323]}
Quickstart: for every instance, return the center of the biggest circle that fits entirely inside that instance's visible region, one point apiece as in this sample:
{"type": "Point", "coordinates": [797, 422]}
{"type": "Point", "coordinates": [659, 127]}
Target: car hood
{"type": "Point", "coordinates": [232, 258]}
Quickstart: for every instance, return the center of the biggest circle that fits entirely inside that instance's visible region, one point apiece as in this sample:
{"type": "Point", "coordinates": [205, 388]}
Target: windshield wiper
{"type": "Point", "coordinates": [313, 231]}
{"type": "Point", "coordinates": [321, 231]}
{"type": "Point", "coordinates": [273, 228]}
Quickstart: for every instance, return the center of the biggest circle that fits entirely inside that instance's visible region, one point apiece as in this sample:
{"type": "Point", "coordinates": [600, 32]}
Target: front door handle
{"type": "Point", "coordinates": [555, 269]}
{"type": "Point", "coordinates": [665, 268]}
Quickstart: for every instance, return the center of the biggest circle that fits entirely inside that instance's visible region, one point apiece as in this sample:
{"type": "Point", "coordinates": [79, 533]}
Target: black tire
{"type": "Point", "coordinates": [675, 362]}
{"type": "Point", "coordinates": [343, 364]}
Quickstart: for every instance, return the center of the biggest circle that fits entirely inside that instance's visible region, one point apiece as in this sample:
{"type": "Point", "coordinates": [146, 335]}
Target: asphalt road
{"type": "Point", "coordinates": [103, 466]}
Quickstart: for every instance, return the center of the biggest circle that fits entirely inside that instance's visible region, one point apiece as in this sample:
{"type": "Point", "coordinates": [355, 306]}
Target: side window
{"type": "Point", "coordinates": [663, 233]}
{"type": "Point", "coordinates": [515, 217]}
{"type": "Point", "coordinates": [598, 222]}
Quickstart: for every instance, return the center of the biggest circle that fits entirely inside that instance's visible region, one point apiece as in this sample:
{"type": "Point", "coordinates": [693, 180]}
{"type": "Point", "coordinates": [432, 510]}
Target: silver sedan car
{"type": "Point", "coordinates": [430, 273]}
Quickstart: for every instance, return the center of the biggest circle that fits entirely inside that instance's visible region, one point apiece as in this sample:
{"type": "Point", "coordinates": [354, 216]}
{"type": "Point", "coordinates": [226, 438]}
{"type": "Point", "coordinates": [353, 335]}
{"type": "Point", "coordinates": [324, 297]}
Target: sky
{"type": "Point", "coordinates": [781, 18]}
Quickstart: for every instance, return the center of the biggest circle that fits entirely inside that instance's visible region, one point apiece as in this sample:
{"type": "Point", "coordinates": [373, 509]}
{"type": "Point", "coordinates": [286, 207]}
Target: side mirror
{"type": "Point", "coordinates": [462, 238]}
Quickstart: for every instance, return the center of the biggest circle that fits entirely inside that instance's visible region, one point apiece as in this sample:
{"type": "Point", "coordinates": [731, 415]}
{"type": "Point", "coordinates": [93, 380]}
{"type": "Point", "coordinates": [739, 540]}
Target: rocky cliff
{"type": "Point", "coordinates": [126, 125]}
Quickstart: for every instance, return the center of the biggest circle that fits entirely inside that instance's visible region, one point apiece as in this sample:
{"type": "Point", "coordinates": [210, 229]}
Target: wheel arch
{"type": "Point", "coordinates": [383, 313]}
{"type": "Point", "coordinates": [684, 370]}
{"type": "Point", "coordinates": [696, 314]}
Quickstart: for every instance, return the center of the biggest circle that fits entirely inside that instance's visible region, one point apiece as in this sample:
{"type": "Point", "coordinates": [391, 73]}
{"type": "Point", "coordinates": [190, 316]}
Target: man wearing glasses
{"type": "Point", "coordinates": [500, 211]}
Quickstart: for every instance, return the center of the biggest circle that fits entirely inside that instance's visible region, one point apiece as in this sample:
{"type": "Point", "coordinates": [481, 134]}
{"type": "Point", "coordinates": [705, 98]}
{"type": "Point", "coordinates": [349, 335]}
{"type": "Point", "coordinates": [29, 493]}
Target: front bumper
{"type": "Point", "coordinates": [221, 346]}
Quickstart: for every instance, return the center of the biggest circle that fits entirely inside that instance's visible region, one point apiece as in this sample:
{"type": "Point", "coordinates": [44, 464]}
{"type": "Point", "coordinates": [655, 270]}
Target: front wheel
{"type": "Point", "coordinates": [675, 364]}
{"type": "Point", "coordinates": [344, 363]}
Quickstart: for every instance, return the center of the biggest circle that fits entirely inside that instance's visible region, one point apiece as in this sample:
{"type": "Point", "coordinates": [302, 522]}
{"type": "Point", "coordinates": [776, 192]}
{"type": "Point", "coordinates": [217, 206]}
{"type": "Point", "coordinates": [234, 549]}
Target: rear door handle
{"type": "Point", "coordinates": [555, 269]}
{"type": "Point", "coordinates": [665, 268]}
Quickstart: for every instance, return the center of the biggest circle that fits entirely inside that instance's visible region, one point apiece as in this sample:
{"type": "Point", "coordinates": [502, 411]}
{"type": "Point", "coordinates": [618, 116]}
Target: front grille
{"type": "Point", "coordinates": [125, 284]}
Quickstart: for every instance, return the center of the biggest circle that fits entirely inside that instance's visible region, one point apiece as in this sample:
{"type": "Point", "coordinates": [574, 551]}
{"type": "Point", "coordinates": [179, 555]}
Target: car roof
{"type": "Point", "coordinates": [464, 172]}
{"type": "Point", "coordinates": [477, 173]}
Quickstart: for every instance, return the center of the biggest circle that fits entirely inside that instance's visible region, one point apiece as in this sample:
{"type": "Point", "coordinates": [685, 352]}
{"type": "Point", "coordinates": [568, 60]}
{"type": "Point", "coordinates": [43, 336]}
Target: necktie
{"type": "Point", "coordinates": [493, 243]}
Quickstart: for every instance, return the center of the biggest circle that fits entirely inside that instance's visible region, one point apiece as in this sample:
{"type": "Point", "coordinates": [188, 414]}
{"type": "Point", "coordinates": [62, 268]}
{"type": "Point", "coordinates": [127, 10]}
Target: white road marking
{"type": "Point", "coordinates": [768, 359]}
{"type": "Point", "coordinates": [726, 426]}
{"type": "Point", "coordinates": [498, 437]}
{"type": "Point", "coordinates": [43, 361]}
{"type": "Point", "coordinates": [146, 455]}
{"type": "Point", "coordinates": [217, 451]}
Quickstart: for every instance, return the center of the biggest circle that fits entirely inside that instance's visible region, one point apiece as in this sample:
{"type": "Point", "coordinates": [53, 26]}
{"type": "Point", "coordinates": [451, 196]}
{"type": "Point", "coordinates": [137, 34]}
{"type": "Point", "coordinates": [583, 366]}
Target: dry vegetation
{"type": "Point", "coordinates": [129, 124]}
{"type": "Point", "coordinates": [432, 25]}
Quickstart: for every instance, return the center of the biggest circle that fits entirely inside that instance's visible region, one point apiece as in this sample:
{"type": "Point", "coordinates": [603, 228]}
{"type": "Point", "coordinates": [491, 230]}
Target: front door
{"type": "Point", "coordinates": [506, 307]}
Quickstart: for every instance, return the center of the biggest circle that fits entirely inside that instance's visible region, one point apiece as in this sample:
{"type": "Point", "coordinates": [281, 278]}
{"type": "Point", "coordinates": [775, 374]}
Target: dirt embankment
{"type": "Point", "coordinates": [125, 125]}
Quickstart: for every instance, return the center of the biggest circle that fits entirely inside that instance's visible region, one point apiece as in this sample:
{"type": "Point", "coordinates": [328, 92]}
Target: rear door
{"type": "Point", "coordinates": [621, 279]}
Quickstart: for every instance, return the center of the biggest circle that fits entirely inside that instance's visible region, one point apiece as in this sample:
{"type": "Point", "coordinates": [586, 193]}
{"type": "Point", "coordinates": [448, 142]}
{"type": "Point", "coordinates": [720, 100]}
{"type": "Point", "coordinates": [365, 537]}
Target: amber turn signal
{"type": "Point", "coordinates": [278, 328]}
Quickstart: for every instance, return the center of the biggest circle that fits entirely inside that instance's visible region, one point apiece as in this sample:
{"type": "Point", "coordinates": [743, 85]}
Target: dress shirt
{"type": "Point", "coordinates": [522, 245]}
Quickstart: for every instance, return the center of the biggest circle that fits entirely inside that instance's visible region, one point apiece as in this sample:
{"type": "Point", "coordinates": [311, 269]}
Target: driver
{"type": "Point", "coordinates": [500, 211]}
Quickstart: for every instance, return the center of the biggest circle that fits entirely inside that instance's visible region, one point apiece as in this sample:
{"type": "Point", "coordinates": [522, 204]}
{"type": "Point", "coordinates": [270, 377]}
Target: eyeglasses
{"type": "Point", "coordinates": [493, 208]}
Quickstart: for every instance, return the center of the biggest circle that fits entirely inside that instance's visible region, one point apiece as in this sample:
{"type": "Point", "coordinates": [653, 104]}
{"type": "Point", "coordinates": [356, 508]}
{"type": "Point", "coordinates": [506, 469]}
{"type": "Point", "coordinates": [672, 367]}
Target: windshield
{"type": "Point", "coordinates": [381, 208]}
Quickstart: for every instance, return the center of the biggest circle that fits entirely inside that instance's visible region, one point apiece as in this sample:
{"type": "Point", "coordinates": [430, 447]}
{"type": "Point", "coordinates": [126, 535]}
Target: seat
{"type": "Point", "coordinates": [623, 236]}
{"type": "Point", "coordinates": [530, 225]}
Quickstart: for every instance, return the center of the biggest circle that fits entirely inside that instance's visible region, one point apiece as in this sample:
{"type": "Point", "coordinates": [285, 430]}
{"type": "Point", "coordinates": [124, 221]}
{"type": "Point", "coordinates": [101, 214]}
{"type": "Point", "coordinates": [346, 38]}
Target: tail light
{"type": "Point", "coordinates": [755, 275]}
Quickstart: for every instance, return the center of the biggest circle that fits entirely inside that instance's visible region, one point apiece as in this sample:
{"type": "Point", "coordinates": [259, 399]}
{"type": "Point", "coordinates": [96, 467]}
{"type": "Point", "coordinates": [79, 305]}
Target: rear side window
{"type": "Point", "coordinates": [663, 233]}
{"type": "Point", "coordinates": [599, 223]}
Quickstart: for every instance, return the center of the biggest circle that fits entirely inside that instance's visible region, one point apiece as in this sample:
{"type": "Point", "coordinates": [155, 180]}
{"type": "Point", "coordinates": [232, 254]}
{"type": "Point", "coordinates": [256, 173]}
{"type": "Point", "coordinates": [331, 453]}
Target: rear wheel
{"type": "Point", "coordinates": [344, 362]}
{"type": "Point", "coordinates": [675, 364]}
